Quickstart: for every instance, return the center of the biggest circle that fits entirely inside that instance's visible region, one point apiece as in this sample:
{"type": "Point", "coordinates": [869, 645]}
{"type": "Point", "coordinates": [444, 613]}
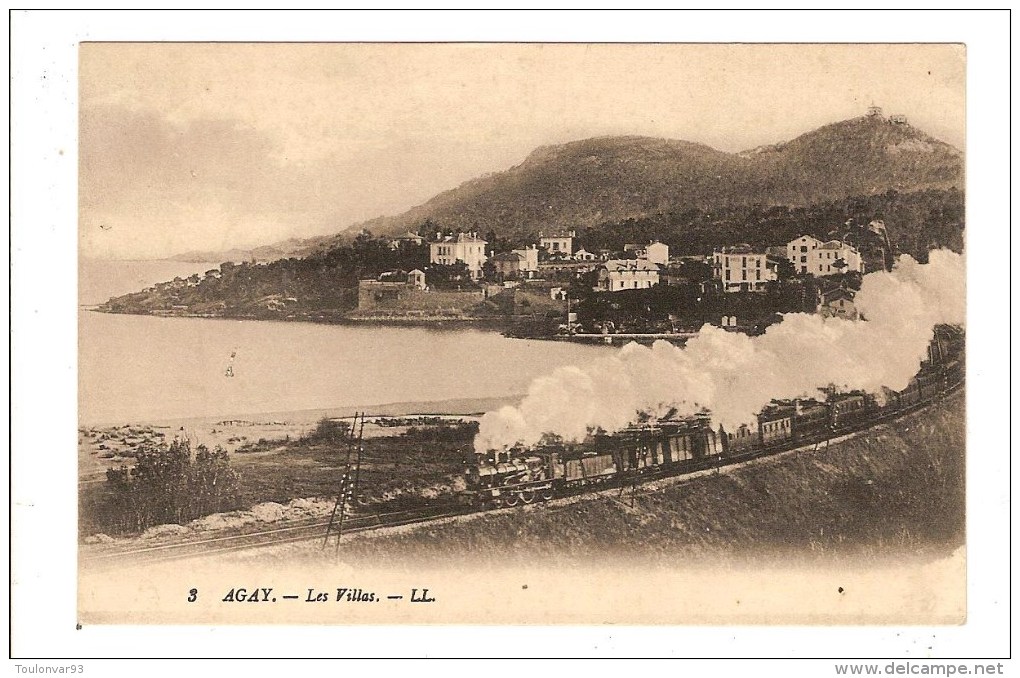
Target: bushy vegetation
{"type": "Point", "coordinates": [167, 484]}
{"type": "Point", "coordinates": [611, 180]}
{"type": "Point", "coordinates": [442, 432]}
{"type": "Point", "coordinates": [323, 286]}
{"type": "Point", "coordinates": [917, 221]}
{"type": "Point", "coordinates": [614, 191]}
{"type": "Point", "coordinates": [419, 462]}
{"type": "Point", "coordinates": [685, 306]}
{"type": "Point", "coordinates": [330, 431]}
{"type": "Point", "coordinates": [895, 491]}
{"type": "Point", "coordinates": [323, 283]}
{"type": "Point", "coordinates": [420, 420]}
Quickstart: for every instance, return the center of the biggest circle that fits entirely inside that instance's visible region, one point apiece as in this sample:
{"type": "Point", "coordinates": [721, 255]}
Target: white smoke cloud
{"type": "Point", "coordinates": [734, 375]}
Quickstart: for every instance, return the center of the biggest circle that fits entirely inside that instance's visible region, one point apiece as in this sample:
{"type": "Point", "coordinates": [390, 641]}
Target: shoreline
{"type": "Point", "coordinates": [445, 407]}
{"type": "Point", "coordinates": [503, 325]}
{"type": "Point", "coordinates": [101, 446]}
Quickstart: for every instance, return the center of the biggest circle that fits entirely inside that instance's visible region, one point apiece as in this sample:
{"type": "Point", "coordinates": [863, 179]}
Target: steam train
{"type": "Point", "coordinates": [676, 446]}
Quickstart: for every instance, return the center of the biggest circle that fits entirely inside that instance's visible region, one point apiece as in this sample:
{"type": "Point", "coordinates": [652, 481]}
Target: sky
{"type": "Point", "coordinates": [208, 146]}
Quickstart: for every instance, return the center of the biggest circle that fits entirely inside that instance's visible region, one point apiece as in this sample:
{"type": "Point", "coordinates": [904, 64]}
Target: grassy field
{"type": "Point", "coordinates": [419, 462]}
{"type": "Point", "coordinates": [413, 464]}
{"type": "Point", "coordinates": [898, 489]}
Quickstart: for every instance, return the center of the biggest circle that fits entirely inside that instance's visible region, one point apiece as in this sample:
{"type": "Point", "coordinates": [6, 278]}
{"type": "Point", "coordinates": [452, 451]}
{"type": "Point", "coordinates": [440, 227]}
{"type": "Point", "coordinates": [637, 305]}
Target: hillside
{"type": "Point", "coordinates": [893, 491]}
{"type": "Point", "coordinates": [612, 191]}
{"type": "Point", "coordinates": [610, 179]}
{"type": "Point", "coordinates": [294, 247]}
{"type": "Point", "coordinates": [601, 182]}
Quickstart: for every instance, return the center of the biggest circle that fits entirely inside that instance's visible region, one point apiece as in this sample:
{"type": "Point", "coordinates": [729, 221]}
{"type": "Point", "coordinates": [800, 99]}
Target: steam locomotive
{"type": "Point", "coordinates": [676, 446]}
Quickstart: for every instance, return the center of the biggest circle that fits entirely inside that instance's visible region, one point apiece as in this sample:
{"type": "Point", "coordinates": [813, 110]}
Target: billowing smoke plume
{"type": "Point", "coordinates": [734, 375]}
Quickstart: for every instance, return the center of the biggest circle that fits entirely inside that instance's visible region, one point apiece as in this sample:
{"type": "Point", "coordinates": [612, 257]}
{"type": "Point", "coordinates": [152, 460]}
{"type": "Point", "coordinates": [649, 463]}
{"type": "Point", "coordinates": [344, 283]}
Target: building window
{"type": "Point", "coordinates": [803, 260]}
{"type": "Point", "coordinates": [727, 274]}
{"type": "Point", "coordinates": [757, 275]}
{"type": "Point", "coordinates": [743, 262]}
{"type": "Point", "coordinates": [803, 248]}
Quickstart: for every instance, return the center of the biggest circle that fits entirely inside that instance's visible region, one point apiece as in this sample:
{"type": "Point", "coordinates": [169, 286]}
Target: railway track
{"type": "Point", "coordinates": [304, 531]}
{"type": "Point", "coordinates": [622, 493]}
{"type": "Point", "coordinates": [315, 528]}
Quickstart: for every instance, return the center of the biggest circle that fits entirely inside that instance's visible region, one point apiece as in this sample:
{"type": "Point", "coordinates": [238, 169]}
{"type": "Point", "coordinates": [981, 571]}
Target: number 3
{"type": "Point", "coordinates": [192, 595]}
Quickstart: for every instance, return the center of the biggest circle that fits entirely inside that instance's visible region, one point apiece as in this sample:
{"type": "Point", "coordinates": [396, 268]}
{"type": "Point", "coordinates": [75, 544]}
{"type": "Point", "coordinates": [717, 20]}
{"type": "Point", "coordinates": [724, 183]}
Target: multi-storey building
{"type": "Point", "coordinates": [616, 275]}
{"type": "Point", "coordinates": [655, 252]}
{"type": "Point", "coordinates": [558, 244]}
{"type": "Point", "coordinates": [466, 247]}
{"type": "Point", "coordinates": [811, 255]}
{"type": "Point", "coordinates": [741, 269]}
{"type": "Point", "coordinates": [529, 261]}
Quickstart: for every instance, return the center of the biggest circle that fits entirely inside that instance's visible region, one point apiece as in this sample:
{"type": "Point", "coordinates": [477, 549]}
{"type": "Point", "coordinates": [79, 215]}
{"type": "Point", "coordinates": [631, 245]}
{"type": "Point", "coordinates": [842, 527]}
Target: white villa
{"type": "Point", "coordinates": [466, 247]}
{"type": "Point", "coordinates": [811, 255]}
{"type": "Point", "coordinates": [626, 274]}
{"type": "Point", "coordinates": [741, 269]}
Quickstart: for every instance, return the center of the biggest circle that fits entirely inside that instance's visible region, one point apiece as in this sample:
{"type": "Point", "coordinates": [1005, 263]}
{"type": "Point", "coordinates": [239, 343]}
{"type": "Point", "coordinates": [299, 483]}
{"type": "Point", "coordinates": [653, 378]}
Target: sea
{"type": "Point", "coordinates": [135, 368]}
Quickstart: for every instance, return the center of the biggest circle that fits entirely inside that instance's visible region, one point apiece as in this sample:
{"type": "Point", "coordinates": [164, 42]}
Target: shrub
{"type": "Point", "coordinates": [331, 431]}
{"type": "Point", "coordinates": [168, 485]}
{"type": "Point", "coordinates": [444, 432]}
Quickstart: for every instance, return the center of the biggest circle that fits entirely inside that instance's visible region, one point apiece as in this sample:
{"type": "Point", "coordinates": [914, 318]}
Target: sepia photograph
{"type": "Point", "coordinates": [442, 333]}
{"type": "Point", "coordinates": [512, 314]}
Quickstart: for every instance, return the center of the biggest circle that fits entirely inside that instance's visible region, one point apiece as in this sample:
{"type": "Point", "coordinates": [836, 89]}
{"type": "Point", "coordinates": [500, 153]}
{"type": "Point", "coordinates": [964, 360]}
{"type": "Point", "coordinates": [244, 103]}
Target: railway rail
{"type": "Point", "coordinates": [314, 528]}
{"type": "Point", "coordinates": [305, 530]}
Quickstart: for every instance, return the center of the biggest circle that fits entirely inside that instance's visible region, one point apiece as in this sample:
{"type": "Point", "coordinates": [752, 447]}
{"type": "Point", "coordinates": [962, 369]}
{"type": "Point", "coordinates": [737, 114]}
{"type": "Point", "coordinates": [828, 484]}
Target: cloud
{"type": "Point", "coordinates": [152, 187]}
{"type": "Point", "coordinates": [157, 188]}
{"type": "Point", "coordinates": [734, 375]}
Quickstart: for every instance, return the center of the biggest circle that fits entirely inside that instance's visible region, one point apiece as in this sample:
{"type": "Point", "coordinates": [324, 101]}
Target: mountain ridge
{"type": "Point", "coordinates": [598, 181]}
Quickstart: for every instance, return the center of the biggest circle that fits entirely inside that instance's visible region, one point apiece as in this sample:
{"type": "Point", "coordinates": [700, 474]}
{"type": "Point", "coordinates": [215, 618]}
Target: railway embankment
{"type": "Point", "coordinates": [897, 488]}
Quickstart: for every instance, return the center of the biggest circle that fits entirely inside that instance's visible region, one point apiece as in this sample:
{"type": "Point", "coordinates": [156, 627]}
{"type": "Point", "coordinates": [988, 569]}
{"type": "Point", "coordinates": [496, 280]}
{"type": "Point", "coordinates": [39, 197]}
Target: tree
{"type": "Point", "coordinates": [448, 276]}
{"type": "Point", "coordinates": [167, 486]}
{"type": "Point", "coordinates": [785, 269]}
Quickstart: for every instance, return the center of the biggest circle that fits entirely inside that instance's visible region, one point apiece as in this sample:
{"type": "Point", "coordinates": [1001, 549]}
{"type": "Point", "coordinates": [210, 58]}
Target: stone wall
{"type": "Point", "coordinates": [378, 297]}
